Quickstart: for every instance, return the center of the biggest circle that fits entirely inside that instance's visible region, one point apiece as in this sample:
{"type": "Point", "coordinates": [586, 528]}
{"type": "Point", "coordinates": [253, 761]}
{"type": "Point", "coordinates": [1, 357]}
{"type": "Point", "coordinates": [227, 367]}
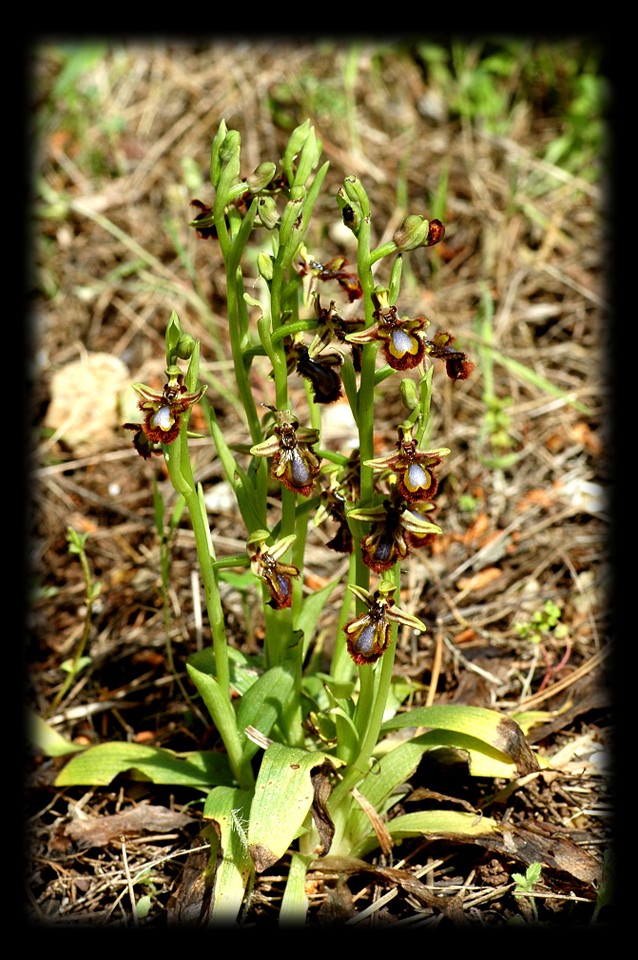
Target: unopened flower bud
{"type": "Point", "coordinates": [409, 394]}
{"type": "Point", "coordinates": [298, 138]}
{"type": "Point", "coordinates": [265, 265]}
{"type": "Point", "coordinates": [435, 233]}
{"type": "Point", "coordinates": [215, 160]}
{"type": "Point", "coordinates": [185, 346]}
{"type": "Point", "coordinates": [412, 233]}
{"type": "Point", "coordinates": [351, 215]}
{"type": "Point", "coordinates": [261, 177]}
{"type": "Point", "coordinates": [355, 193]}
{"type": "Point", "coordinates": [230, 147]}
{"type": "Point", "coordinates": [268, 213]}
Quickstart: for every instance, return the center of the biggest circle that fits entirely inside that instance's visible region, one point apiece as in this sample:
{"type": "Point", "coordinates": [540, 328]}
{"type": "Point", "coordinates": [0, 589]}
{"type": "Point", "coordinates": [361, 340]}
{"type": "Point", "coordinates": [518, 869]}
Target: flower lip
{"type": "Point", "coordinates": [320, 370]}
{"type": "Point", "coordinates": [162, 419]}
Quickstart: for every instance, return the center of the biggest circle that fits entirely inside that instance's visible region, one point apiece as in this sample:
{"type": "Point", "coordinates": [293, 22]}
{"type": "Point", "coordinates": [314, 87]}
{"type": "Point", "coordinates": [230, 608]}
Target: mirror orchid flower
{"type": "Point", "coordinates": [266, 564]}
{"type": "Point", "coordinates": [294, 463]}
{"type": "Point", "coordinates": [163, 412]}
{"type": "Point", "coordinates": [368, 636]}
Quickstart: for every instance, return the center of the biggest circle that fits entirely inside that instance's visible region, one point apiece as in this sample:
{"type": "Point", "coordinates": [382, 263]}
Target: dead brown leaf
{"type": "Point", "coordinates": [144, 818]}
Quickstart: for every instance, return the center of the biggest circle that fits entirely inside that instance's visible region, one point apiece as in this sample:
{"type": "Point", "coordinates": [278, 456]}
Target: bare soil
{"type": "Point", "coordinates": [116, 170]}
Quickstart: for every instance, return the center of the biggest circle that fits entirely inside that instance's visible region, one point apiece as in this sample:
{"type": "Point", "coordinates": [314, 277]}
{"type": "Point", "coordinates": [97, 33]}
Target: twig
{"type": "Point", "coordinates": [129, 883]}
{"type": "Point", "coordinates": [561, 685]}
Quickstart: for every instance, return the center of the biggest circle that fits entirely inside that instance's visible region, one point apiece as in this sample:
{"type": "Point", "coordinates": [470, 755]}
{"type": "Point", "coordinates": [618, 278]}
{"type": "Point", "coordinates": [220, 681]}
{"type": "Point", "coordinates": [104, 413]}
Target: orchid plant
{"type": "Point", "coordinates": [311, 759]}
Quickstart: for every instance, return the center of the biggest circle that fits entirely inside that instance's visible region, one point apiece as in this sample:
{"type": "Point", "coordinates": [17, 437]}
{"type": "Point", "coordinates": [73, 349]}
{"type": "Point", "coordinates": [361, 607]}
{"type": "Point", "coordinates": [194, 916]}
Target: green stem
{"type": "Point", "coordinates": [236, 307]}
{"type": "Point", "coordinates": [342, 667]}
{"type": "Point", "coordinates": [89, 599]}
{"type": "Point", "coordinates": [181, 476]}
{"type": "Point", "coordinates": [375, 684]}
{"type": "Point", "coordinates": [365, 395]}
{"type": "Point", "coordinates": [384, 250]}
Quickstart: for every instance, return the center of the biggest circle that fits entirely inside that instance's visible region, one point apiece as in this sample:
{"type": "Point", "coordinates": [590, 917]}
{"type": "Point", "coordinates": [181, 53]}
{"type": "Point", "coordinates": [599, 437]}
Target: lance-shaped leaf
{"type": "Point", "coordinates": [261, 705]}
{"type": "Point", "coordinates": [396, 766]}
{"type": "Point", "coordinates": [228, 809]}
{"type": "Point", "coordinates": [379, 788]}
{"type": "Point", "coordinates": [503, 740]}
{"type": "Point", "coordinates": [435, 824]}
{"type": "Point", "coordinates": [284, 795]}
{"type": "Point", "coordinates": [47, 740]}
{"type": "Point", "coordinates": [99, 765]}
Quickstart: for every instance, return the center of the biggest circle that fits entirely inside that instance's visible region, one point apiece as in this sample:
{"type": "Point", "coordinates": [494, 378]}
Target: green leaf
{"type": "Point", "coordinates": [229, 809]}
{"type": "Point", "coordinates": [71, 666]}
{"type": "Point", "coordinates": [218, 705]}
{"type": "Point", "coordinates": [260, 706]}
{"type": "Point", "coordinates": [435, 824]}
{"type": "Point", "coordinates": [241, 581]}
{"type": "Point", "coordinates": [311, 608]}
{"type": "Point", "coordinates": [483, 760]}
{"type": "Point", "coordinates": [99, 765]}
{"type": "Point", "coordinates": [244, 671]}
{"type": "Point", "coordinates": [46, 740]}
{"type": "Point", "coordinates": [501, 734]}
{"type": "Point", "coordinates": [525, 882]}
{"type": "Point", "coordinates": [143, 906]}
{"type": "Point", "coordinates": [379, 787]}
{"type": "Point", "coordinates": [283, 798]}
{"type": "Point", "coordinates": [294, 903]}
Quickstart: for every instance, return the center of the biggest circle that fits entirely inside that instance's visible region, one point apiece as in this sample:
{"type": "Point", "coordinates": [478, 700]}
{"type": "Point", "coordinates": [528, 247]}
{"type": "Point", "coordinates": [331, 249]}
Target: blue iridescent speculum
{"type": "Point", "coordinates": [300, 471]}
{"type": "Point", "coordinates": [162, 419]}
{"type": "Point", "coordinates": [416, 478]}
{"type": "Point", "coordinates": [365, 640]}
{"type": "Point", "coordinates": [383, 549]}
{"type": "Point", "coordinates": [402, 343]}
{"type": "Point", "coordinates": [283, 584]}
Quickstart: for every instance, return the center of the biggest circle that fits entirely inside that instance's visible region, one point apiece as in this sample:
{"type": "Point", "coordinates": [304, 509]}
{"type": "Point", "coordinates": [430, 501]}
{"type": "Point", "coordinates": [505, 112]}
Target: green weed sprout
{"type": "Point", "coordinates": [542, 624]}
{"type": "Point", "coordinates": [542, 629]}
{"type": "Point", "coordinates": [525, 884]}
{"type": "Point", "coordinates": [92, 590]}
{"type": "Point", "coordinates": [311, 758]}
